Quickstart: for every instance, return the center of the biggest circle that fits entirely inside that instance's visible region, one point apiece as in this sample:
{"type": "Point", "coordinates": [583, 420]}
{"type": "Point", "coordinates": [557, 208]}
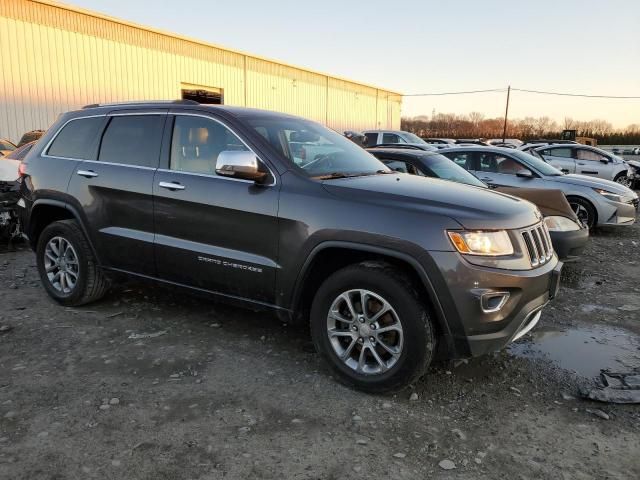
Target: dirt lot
{"type": "Point", "coordinates": [151, 383]}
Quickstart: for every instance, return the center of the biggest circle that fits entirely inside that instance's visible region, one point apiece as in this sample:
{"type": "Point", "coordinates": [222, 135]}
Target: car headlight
{"type": "Point", "coordinates": [482, 243]}
{"type": "Point", "coordinates": [560, 224]}
{"type": "Point", "coordinates": [614, 197]}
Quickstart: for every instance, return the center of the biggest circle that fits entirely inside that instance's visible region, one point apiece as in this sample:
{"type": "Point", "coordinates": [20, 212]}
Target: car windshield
{"type": "Point", "coordinates": [441, 167]}
{"type": "Point", "coordinates": [6, 145]}
{"type": "Point", "coordinates": [537, 163]}
{"type": "Point", "coordinates": [413, 138]}
{"type": "Point", "coordinates": [314, 150]}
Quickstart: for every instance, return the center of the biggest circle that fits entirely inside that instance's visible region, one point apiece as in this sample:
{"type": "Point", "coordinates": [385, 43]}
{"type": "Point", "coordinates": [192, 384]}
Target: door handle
{"type": "Point", "coordinates": [87, 173]}
{"type": "Point", "coordinates": [171, 185]}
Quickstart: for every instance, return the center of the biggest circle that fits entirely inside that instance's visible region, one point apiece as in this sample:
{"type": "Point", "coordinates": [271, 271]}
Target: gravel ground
{"type": "Point", "coordinates": [151, 383]}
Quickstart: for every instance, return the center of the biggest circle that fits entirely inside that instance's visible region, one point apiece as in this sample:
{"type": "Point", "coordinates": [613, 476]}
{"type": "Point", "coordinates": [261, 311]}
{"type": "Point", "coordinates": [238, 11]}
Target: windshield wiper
{"type": "Point", "coordinates": [333, 175]}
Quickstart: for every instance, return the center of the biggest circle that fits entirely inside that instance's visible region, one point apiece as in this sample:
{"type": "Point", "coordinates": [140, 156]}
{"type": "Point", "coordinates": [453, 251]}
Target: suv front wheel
{"type": "Point", "coordinates": [368, 322]}
{"type": "Point", "coordinates": [67, 267]}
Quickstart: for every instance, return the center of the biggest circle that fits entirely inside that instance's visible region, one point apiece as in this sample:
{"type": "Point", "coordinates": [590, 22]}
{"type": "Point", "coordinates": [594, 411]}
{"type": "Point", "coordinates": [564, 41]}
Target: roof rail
{"type": "Point", "coordinates": [143, 102]}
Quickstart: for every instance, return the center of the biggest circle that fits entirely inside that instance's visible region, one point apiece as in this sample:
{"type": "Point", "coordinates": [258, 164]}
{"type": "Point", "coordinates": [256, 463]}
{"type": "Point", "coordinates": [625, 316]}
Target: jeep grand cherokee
{"type": "Point", "coordinates": [386, 267]}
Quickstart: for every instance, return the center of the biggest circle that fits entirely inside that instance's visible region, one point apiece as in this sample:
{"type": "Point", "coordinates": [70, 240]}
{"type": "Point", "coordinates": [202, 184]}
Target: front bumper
{"type": "Point", "coordinates": [474, 331]}
{"type": "Point", "coordinates": [569, 245]}
{"type": "Point", "coordinates": [623, 214]}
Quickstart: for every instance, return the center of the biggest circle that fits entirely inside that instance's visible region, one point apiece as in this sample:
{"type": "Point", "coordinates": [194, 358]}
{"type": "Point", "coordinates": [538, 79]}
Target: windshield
{"type": "Point", "coordinates": [535, 162]}
{"type": "Point", "coordinates": [440, 166]}
{"type": "Point", "coordinates": [412, 138]}
{"type": "Point", "coordinates": [315, 150]}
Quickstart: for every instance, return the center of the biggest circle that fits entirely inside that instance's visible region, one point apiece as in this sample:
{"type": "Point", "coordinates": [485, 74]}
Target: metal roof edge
{"type": "Point", "coordinates": [109, 18]}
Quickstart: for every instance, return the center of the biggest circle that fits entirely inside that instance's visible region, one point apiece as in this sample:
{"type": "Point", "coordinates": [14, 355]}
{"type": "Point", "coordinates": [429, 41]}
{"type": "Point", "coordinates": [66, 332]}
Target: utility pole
{"type": "Point", "coordinates": [506, 114]}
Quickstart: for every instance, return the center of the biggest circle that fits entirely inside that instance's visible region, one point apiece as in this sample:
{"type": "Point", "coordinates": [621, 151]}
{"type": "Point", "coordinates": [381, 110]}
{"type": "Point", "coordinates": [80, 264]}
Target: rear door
{"type": "Point", "coordinates": [213, 232]}
{"type": "Point", "coordinates": [115, 190]}
{"type": "Point", "coordinates": [593, 163]}
{"type": "Point", "coordinates": [560, 157]}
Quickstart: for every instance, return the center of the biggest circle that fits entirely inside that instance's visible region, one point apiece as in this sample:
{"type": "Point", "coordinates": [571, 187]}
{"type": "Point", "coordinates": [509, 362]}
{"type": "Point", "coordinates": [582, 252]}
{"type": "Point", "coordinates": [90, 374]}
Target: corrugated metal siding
{"type": "Point", "coordinates": [61, 59]}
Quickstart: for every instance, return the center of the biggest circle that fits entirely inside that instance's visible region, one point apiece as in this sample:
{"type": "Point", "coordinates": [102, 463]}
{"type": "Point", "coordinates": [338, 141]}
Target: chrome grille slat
{"type": "Point", "coordinates": [537, 243]}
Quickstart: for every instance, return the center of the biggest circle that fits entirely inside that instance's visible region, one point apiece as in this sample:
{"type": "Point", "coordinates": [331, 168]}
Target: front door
{"type": "Point", "coordinates": [115, 191]}
{"type": "Point", "coordinates": [593, 163]}
{"type": "Point", "coordinates": [502, 170]}
{"type": "Point", "coordinates": [213, 232]}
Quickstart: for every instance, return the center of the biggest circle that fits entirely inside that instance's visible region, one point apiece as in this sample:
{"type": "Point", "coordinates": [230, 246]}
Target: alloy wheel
{"type": "Point", "coordinates": [365, 331]}
{"type": "Point", "coordinates": [624, 180]}
{"type": "Point", "coordinates": [582, 213]}
{"type": "Point", "coordinates": [61, 265]}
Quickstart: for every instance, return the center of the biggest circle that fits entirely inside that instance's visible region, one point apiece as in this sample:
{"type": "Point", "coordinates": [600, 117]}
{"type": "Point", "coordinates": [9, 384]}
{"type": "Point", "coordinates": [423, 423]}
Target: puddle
{"type": "Point", "coordinates": [584, 351]}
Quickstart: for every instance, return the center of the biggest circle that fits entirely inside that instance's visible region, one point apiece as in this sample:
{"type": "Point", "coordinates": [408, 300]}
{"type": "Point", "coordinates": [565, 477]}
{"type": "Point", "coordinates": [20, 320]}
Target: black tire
{"type": "Point", "coordinates": [418, 333]}
{"type": "Point", "coordinates": [91, 284]}
{"type": "Point", "coordinates": [623, 179]}
{"type": "Point", "coordinates": [585, 211]}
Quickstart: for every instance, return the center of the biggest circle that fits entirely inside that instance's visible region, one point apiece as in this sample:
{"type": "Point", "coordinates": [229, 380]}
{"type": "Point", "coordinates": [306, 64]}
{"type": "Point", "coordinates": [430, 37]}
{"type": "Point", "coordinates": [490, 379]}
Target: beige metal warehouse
{"type": "Point", "coordinates": [57, 58]}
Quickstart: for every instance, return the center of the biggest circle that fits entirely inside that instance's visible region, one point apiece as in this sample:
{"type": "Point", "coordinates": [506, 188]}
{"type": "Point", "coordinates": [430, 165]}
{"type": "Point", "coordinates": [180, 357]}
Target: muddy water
{"type": "Point", "coordinates": [584, 351]}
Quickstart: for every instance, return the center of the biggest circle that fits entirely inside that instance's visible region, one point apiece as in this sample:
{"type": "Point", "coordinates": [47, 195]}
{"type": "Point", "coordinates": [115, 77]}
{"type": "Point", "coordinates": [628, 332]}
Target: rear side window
{"type": "Point", "coordinates": [133, 140]}
{"type": "Point", "coordinates": [462, 159]}
{"type": "Point", "coordinates": [558, 152]}
{"type": "Point", "coordinates": [372, 138]}
{"type": "Point", "coordinates": [77, 139]}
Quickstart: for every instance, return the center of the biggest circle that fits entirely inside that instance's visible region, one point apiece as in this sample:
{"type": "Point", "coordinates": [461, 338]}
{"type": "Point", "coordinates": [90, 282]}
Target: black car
{"type": "Point", "coordinates": [389, 269]}
{"type": "Point", "coordinates": [568, 244]}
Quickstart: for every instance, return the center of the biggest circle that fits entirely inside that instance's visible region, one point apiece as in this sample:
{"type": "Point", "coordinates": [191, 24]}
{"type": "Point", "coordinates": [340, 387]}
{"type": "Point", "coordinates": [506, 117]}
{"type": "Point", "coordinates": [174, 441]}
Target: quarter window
{"type": "Point", "coordinates": [77, 139]}
{"type": "Point", "coordinates": [462, 159]}
{"type": "Point", "coordinates": [198, 141]}
{"type": "Point", "coordinates": [133, 140]}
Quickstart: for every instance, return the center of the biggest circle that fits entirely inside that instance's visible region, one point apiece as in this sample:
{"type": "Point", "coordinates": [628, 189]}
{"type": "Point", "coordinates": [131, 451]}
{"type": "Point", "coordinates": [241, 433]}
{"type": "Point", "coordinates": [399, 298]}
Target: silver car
{"type": "Point", "coordinates": [596, 201]}
{"type": "Point", "coordinates": [586, 160]}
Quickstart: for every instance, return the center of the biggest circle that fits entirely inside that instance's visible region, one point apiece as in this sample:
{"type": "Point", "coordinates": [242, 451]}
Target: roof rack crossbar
{"type": "Point", "coordinates": [144, 102]}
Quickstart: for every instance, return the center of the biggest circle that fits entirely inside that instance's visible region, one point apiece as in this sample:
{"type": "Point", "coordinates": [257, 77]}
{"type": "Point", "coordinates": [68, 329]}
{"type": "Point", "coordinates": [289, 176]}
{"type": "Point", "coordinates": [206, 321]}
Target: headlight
{"type": "Point", "coordinates": [560, 224]}
{"type": "Point", "coordinates": [482, 243]}
{"type": "Point", "coordinates": [614, 197]}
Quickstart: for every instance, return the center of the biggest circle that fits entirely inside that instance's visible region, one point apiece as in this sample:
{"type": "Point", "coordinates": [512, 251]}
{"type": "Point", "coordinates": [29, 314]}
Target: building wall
{"type": "Point", "coordinates": [57, 59]}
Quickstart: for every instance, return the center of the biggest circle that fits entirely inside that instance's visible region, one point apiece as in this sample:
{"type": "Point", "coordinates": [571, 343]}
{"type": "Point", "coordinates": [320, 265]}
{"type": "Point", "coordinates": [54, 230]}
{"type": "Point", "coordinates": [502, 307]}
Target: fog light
{"type": "Point", "coordinates": [492, 302]}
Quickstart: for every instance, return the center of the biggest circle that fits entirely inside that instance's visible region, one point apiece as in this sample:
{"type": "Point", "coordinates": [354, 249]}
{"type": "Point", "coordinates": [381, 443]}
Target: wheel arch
{"type": "Point", "coordinates": [330, 256]}
{"type": "Point", "coordinates": [46, 211]}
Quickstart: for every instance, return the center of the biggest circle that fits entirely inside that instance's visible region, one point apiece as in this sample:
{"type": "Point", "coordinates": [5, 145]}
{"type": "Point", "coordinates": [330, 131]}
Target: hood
{"type": "Point", "coordinates": [472, 207]}
{"type": "Point", "coordinates": [634, 163]}
{"type": "Point", "coordinates": [550, 202]}
{"type": "Point", "coordinates": [594, 182]}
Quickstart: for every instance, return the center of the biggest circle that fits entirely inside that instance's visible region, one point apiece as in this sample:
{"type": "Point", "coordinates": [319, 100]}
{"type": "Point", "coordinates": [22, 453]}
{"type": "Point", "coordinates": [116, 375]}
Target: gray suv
{"type": "Point", "coordinates": [389, 269]}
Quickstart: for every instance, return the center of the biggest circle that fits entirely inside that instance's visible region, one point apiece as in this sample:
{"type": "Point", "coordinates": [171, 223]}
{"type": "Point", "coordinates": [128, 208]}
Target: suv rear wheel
{"type": "Point", "coordinates": [67, 267]}
{"type": "Point", "coordinates": [369, 324]}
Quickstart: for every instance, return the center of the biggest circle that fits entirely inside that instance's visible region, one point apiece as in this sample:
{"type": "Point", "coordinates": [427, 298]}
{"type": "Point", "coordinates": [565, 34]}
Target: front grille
{"type": "Point", "coordinates": [538, 244]}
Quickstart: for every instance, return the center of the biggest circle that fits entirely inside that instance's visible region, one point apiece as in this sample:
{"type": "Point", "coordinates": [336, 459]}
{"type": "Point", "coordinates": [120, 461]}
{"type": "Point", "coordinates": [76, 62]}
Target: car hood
{"type": "Point", "coordinates": [585, 181]}
{"type": "Point", "coordinates": [472, 207]}
{"type": "Point", "coordinates": [634, 163]}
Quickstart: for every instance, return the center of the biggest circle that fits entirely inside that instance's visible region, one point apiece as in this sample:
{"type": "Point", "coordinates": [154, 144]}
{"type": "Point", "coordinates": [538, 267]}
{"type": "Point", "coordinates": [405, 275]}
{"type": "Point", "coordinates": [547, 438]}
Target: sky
{"type": "Point", "coordinates": [412, 46]}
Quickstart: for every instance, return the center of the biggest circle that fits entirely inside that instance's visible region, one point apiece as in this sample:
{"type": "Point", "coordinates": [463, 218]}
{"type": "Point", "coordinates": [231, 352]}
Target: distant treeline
{"type": "Point", "coordinates": [475, 125]}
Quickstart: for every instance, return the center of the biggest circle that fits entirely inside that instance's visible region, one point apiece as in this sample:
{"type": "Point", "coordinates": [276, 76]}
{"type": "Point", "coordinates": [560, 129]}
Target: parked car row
{"type": "Point", "coordinates": [273, 211]}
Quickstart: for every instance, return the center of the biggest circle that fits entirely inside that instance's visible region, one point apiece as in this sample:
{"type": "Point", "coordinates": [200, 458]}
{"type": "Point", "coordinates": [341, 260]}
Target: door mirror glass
{"type": "Point", "coordinates": [525, 173]}
{"type": "Point", "coordinates": [239, 164]}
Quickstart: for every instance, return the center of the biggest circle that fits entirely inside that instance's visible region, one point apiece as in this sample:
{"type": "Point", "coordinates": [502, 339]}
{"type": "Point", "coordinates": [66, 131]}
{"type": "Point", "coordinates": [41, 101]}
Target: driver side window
{"type": "Point", "coordinates": [494, 163]}
{"type": "Point", "coordinates": [197, 142]}
{"type": "Point", "coordinates": [584, 154]}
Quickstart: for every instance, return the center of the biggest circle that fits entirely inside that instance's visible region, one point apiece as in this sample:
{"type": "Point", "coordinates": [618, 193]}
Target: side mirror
{"type": "Point", "coordinates": [239, 164]}
{"type": "Point", "coordinates": [525, 173]}
{"type": "Point", "coordinates": [604, 160]}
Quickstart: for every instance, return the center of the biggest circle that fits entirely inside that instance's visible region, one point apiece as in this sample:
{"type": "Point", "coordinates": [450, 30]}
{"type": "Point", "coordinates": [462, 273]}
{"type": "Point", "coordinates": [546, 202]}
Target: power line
{"type": "Point", "coordinates": [562, 94]}
{"type": "Point", "coordinates": [453, 93]}
{"type": "Point", "coordinates": [539, 92]}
